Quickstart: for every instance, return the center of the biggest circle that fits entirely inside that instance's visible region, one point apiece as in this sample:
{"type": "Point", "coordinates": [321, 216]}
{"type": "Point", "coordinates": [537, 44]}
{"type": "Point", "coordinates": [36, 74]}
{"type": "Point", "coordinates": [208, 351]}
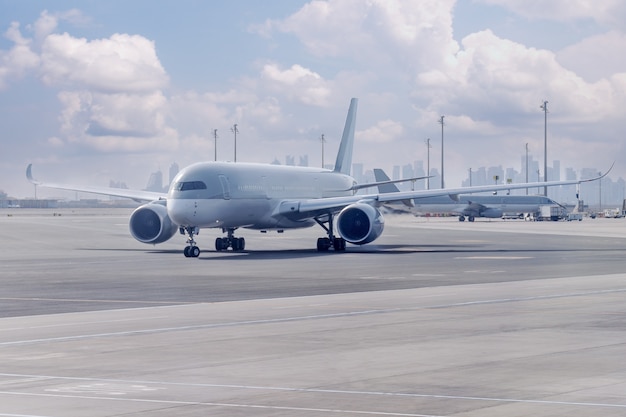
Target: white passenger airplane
{"type": "Point", "coordinates": [233, 195]}
{"type": "Point", "coordinates": [467, 206]}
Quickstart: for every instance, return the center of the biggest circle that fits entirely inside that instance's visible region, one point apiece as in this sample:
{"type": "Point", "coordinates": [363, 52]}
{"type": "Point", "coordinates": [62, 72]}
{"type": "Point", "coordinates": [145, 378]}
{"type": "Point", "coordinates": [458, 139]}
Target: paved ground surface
{"type": "Point", "coordinates": [438, 318]}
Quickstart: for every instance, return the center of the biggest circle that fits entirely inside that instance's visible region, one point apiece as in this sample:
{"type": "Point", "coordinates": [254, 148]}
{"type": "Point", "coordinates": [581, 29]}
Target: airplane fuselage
{"type": "Point", "coordinates": [230, 195]}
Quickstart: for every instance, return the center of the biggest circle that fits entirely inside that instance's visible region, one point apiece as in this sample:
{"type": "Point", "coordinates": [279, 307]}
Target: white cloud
{"type": "Point", "coordinates": [20, 59]}
{"type": "Point", "coordinates": [121, 63]}
{"type": "Point", "coordinates": [117, 122]}
{"type": "Point", "coordinates": [376, 32]}
{"type": "Point", "coordinates": [383, 132]}
{"type": "Point", "coordinates": [297, 83]}
{"type": "Point", "coordinates": [111, 90]}
{"type": "Point", "coordinates": [596, 57]}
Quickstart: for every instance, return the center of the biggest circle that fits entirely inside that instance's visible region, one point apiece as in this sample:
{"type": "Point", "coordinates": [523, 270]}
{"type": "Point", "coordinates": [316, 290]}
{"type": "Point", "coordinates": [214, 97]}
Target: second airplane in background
{"type": "Point", "coordinates": [468, 206]}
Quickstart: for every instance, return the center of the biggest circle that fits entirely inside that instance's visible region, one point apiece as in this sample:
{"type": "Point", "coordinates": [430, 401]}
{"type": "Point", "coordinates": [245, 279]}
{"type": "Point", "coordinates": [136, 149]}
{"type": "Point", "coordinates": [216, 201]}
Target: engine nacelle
{"type": "Point", "coordinates": [151, 224]}
{"type": "Point", "coordinates": [491, 213]}
{"type": "Point", "coordinates": [360, 223]}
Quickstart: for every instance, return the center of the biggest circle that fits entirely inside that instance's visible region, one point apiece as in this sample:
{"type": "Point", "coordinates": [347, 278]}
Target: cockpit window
{"type": "Point", "coordinates": [189, 185]}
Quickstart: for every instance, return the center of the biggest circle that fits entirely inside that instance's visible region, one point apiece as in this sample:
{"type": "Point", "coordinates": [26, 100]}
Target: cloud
{"type": "Point", "coordinates": [116, 122]}
{"type": "Point", "coordinates": [17, 61]}
{"type": "Point", "coordinates": [297, 83]}
{"type": "Point", "coordinates": [110, 89]}
{"type": "Point", "coordinates": [383, 132]}
{"type": "Point", "coordinates": [121, 63]}
{"type": "Point", "coordinates": [595, 57]}
{"type": "Point", "coordinates": [377, 33]}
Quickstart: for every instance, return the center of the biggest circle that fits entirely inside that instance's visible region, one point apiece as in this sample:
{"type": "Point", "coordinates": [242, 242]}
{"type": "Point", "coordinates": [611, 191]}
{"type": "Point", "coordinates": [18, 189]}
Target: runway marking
{"type": "Point", "coordinates": [428, 275]}
{"type": "Point", "coordinates": [83, 323]}
{"type": "Point", "coordinates": [495, 257]}
{"type": "Point", "coordinates": [308, 317]}
{"type": "Point", "coordinates": [88, 300]}
{"type": "Point", "coordinates": [381, 277]}
{"type": "Point", "coordinates": [217, 404]}
{"type": "Point", "coordinates": [105, 388]}
{"type": "Point", "coordinates": [144, 386]}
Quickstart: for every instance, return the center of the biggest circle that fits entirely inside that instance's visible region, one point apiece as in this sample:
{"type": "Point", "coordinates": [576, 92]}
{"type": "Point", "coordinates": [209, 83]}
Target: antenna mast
{"type": "Point", "coordinates": [235, 131]}
{"type": "Point", "coordinates": [215, 143]}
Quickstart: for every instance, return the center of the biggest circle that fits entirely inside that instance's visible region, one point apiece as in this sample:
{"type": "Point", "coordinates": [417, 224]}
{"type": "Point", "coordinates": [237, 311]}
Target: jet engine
{"type": "Point", "coordinates": [360, 223]}
{"type": "Point", "coordinates": [491, 213]}
{"type": "Point", "coordinates": [151, 224]}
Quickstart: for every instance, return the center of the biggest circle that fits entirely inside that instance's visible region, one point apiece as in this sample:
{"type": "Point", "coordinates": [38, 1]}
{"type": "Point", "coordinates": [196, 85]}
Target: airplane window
{"type": "Point", "coordinates": [190, 185]}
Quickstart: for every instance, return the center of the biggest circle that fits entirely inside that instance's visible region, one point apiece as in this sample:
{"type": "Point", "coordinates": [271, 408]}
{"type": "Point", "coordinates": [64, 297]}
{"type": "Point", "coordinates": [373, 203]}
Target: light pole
{"type": "Point", "coordinates": [470, 176]}
{"type": "Point", "coordinates": [428, 163]}
{"type": "Point", "coordinates": [600, 175]}
{"type": "Point", "coordinates": [544, 107]}
{"type": "Point", "coordinates": [215, 143]}
{"type": "Point", "coordinates": [441, 122]}
{"type": "Point", "coordinates": [527, 166]}
{"type": "Point", "coordinates": [235, 131]}
{"type": "Point", "coordinates": [322, 140]}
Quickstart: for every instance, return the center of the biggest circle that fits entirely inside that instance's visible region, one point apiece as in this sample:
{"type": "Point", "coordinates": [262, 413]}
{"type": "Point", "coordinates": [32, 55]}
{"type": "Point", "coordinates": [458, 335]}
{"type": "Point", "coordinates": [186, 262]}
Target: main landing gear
{"type": "Point", "coordinates": [230, 241]}
{"type": "Point", "coordinates": [325, 243]}
{"type": "Point", "coordinates": [469, 218]}
{"type": "Point", "coordinates": [221, 243]}
{"type": "Point", "coordinates": [191, 250]}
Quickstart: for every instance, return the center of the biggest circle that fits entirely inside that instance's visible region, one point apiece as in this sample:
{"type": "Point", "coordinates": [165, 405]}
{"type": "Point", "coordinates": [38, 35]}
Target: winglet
{"type": "Point", "coordinates": [29, 175]}
{"type": "Point", "coordinates": [343, 163]}
{"type": "Point", "coordinates": [599, 177]}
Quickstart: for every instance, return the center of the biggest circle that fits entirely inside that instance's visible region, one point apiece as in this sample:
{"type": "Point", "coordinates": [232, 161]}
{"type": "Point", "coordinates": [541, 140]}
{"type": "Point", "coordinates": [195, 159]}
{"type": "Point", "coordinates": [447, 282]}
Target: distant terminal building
{"type": "Point", "coordinates": [28, 203]}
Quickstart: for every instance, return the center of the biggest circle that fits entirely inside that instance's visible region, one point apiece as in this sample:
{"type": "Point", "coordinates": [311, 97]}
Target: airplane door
{"type": "Point", "coordinates": [225, 187]}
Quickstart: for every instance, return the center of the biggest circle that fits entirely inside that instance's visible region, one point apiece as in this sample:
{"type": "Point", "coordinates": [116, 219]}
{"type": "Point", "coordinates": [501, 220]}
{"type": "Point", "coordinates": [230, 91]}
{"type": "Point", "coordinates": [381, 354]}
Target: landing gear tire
{"type": "Point", "coordinates": [238, 244]}
{"type": "Point", "coordinates": [191, 251]}
{"type": "Point", "coordinates": [223, 243]}
{"type": "Point", "coordinates": [323, 244]}
{"type": "Point", "coordinates": [461, 218]}
{"type": "Point", "coordinates": [339, 244]}
{"type": "Point", "coordinates": [471, 218]}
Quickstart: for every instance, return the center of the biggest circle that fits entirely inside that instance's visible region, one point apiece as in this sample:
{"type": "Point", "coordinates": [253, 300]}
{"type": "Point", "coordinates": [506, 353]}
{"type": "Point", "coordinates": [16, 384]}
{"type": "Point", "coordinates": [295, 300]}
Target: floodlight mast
{"type": "Point", "coordinates": [215, 144]}
{"type": "Point", "coordinates": [441, 122]}
{"type": "Point", "coordinates": [322, 140]}
{"type": "Point", "coordinates": [544, 107]}
{"type": "Point", "coordinates": [428, 163]}
{"type": "Point", "coordinates": [235, 131]}
{"type": "Point", "coordinates": [527, 166]}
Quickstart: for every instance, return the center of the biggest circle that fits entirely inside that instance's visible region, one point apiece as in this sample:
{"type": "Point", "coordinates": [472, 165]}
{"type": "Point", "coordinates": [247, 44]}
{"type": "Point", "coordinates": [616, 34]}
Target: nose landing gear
{"type": "Point", "coordinates": [191, 250]}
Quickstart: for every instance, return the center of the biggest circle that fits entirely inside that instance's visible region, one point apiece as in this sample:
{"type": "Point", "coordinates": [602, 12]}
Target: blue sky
{"type": "Point", "coordinates": [93, 91]}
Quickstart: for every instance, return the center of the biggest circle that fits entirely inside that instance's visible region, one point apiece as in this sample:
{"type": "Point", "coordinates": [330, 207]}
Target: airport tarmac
{"type": "Point", "coordinates": [437, 318]}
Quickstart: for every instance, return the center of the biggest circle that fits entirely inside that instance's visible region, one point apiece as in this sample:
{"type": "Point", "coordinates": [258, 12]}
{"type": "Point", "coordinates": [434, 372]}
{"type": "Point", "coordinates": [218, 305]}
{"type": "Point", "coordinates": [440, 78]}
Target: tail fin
{"type": "Point", "coordinates": [385, 187]}
{"type": "Point", "coordinates": [343, 163]}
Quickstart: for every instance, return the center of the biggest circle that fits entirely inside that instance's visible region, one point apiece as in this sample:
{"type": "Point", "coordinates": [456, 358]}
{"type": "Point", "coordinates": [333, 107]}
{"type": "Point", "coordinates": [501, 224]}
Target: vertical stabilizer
{"type": "Point", "coordinates": [380, 176]}
{"type": "Point", "coordinates": [343, 163]}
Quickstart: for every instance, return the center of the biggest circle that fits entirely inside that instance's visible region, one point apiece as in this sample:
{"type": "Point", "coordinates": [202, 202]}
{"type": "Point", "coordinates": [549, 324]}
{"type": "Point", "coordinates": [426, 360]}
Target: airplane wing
{"type": "Point", "coordinates": [137, 195]}
{"type": "Point", "coordinates": [384, 182]}
{"type": "Point", "coordinates": [334, 204]}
